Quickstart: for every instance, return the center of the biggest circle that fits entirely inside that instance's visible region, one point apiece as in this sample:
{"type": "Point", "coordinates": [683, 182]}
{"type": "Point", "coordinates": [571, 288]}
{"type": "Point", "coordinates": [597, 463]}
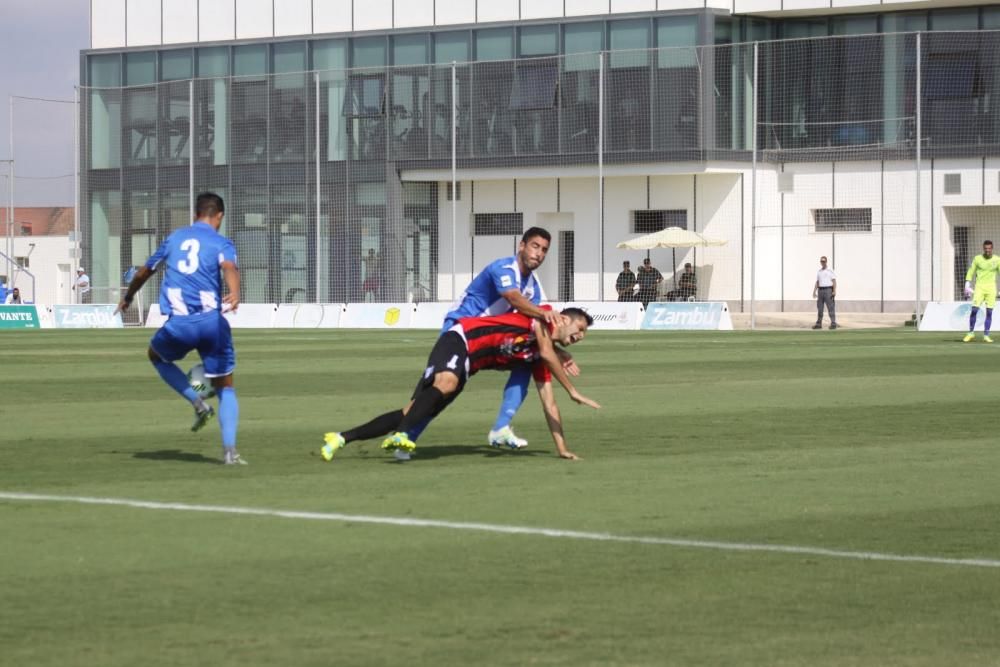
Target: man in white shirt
{"type": "Point", "coordinates": [82, 285]}
{"type": "Point", "coordinates": [14, 297]}
{"type": "Point", "coordinates": [826, 291]}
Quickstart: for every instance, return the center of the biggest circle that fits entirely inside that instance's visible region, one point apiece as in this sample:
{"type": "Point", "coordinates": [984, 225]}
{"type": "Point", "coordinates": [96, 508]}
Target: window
{"type": "Point", "coordinates": [451, 47]}
{"type": "Point", "coordinates": [953, 184]}
{"type": "Point", "coordinates": [629, 36]}
{"type": "Point", "coordinates": [451, 192]}
{"type": "Point", "coordinates": [647, 222]}
{"type": "Point", "coordinates": [586, 39]}
{"type": "Point", "coordinates": [534, 87]}
{"type": "Point", "coordinates": [365, 96]}
{"type": "Point", "coordinates": [213, 62]}
{"type": "Point", "coordinates": [23, 262]}
{"type": "Point", "coordinates": [368, 52]}
{"type": "Point", "coordinates": [175, 65]}
{"type": "Point", "coordinates": [106, 71]}
{"type": "Point", "coordinates": [498, 224]}
{"type": "Point", "coordinates": [496, 44]}
{"type": "Point", "coordinates": [538, 40]}
{"type": "Point", "coordinates": [329, 54]}
{"type": "Point", "coordinates": [140, 68]}
{"type": "Point", "coordinates": [409, 50]}
{"type": "Point", "coordinates": [677, 31]}
{"type": "Point", "coordinates": [289, 57]}
{"type": "Point", "coordinates": [251, 59]}
{"type": "Point", "coordinates": [842, 219]}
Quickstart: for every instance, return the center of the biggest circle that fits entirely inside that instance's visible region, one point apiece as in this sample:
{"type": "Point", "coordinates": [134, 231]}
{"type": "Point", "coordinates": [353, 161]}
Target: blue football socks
{"type": "Point", "coordinates": [229, 416]}
{"type": "Point", "coordinates": [988, 322]}
{"type": "Point", "coordinates": [514, 394]}
{"type": "Point", "coordinates": [177, 380]}
{"type": "Point", "coordinates": [973, 312]}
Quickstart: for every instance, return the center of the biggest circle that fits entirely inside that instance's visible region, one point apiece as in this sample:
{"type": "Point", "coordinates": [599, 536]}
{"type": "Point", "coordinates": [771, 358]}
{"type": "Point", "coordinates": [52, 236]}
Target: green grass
{"type": "Point", "coordinates": [866, 441]}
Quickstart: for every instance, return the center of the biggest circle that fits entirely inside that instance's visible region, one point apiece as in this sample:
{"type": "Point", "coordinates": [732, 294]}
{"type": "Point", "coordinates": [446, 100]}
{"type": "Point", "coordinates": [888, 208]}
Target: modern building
{"type": "Point", "coordinates": [387, 149]}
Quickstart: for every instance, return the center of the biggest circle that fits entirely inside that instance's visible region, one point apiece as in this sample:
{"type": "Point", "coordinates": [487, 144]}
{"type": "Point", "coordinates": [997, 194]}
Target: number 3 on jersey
{"type": "Point", "coordinates": [190, 264]}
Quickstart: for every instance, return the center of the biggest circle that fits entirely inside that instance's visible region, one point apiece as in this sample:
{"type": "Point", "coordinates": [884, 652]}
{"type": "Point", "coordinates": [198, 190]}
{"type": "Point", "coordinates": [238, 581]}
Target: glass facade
{"type": "Point", "coordinates": [307, 138]}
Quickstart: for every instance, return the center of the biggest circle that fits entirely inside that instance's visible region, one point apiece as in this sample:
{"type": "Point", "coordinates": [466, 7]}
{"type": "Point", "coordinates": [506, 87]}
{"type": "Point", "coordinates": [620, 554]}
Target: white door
{"type": "Point", "coordinates": [64, 285]}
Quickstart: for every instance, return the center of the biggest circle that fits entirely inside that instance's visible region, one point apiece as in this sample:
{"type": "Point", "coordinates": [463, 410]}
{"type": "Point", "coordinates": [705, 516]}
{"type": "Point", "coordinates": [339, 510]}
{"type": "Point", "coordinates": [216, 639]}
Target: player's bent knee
{"type": "Point", "coordinates": [446, 383]}
{"type": "Point", "coordinates": [153, 356]}
{"type": "Point", "coordinates": [222, 382]}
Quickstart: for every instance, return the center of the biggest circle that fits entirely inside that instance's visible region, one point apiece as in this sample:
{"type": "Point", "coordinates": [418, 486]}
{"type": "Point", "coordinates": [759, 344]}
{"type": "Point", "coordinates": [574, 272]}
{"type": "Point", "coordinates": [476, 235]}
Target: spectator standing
{"type": "Point", "coordinates": [649, 279]}
{"type": "Point", "coordinates": [625, 285]}
{"type": "Point", "coordinates": [825, 292]}
{"type": "Point", "coordinates": [372, 269]}
{"type": "Point", "coordinates": [82, 286]}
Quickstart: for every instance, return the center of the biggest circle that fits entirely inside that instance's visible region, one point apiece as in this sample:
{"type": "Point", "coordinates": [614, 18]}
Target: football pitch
{"type": "Point", "coordinates": [744, 498]}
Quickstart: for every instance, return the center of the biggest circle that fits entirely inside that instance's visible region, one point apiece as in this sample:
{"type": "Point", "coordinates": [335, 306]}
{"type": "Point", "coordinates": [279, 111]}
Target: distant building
{"type": "Point", "coordinates": [330, 129]}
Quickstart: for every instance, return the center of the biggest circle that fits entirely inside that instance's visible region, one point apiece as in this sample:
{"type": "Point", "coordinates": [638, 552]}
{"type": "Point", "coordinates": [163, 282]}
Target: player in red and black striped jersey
{"type": "Point", "coordinates": [498, 342]}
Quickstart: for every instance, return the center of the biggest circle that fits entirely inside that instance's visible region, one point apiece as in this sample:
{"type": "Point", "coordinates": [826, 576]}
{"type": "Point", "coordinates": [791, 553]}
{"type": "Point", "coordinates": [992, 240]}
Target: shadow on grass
{"type": "Point", "coordinates": [431, 453]}
{"type": "Point", "coordinates": [175, 455]}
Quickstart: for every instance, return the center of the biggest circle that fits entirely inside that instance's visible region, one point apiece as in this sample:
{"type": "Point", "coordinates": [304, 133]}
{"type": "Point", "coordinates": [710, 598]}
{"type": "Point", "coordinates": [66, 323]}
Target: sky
{"type": "Point", "coordinates": [40, 44]}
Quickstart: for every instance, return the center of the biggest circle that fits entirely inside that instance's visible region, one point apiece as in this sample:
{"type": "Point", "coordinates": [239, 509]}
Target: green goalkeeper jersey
{"type": "Point", "coordinates": [985, 271]}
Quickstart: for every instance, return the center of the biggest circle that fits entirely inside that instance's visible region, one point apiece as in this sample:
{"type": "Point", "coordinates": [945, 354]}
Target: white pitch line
{"type": "Point", "coordinates": [508, 530]}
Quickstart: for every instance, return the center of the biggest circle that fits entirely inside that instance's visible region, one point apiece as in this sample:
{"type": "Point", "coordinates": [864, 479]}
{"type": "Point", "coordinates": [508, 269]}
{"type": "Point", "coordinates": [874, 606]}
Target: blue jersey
{"type": "Point", "coordinates": [192, 282]}
{"type": "Point", "coordinates": [483, 295]}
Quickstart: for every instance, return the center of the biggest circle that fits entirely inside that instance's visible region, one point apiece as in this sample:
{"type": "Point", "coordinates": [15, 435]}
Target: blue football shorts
{"type": "Point", "coordinates": [209, 333]}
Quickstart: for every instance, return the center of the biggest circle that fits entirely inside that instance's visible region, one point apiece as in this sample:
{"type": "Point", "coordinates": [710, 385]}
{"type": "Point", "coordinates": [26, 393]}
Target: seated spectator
{"type": "Point", "coordinates": [14, 297]}
{"type": "Point", "coordinates": [687, 286]}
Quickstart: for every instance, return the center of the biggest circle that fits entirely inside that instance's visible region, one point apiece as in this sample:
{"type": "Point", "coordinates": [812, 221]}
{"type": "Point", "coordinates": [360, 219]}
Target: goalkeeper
{"type": "Point", "coordinates": [985, 267]}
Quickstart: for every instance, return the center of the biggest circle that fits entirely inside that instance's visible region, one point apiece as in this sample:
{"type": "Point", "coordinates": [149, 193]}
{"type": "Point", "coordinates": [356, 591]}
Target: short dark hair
{"type": "Point", "coordinates": [208, 205]}
{"type": "Point", "coordinates": [532, 232]}
{"type": "Point", "coordinates": [987, 242]}
{"type": "Point", "coordinates": [578, 314]}
{"type": "Point", "coordinates": [646, 261]}
{"type": "Point", "coordinates": [687, 265]}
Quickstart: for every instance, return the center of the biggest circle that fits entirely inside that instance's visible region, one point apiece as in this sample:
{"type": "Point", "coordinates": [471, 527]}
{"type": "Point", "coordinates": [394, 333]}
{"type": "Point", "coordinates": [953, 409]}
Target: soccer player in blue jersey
{"type": "Point", "coordinates": [505, 285]}
{"type": "Point", "coordinates": [191, 296]}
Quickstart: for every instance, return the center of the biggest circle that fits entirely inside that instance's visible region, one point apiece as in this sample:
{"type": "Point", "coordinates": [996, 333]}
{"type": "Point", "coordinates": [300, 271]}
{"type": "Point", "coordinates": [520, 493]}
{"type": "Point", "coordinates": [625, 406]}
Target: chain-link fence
{"type": "Point", "coordinates": [395, 184]}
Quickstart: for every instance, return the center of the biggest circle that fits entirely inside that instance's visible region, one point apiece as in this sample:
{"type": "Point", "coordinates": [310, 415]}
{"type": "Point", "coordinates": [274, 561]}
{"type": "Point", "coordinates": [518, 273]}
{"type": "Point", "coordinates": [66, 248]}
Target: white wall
{"type": "Point", "coordinates": [872, 266]}
{"type": "Point", "coordinates": [46, 254]}
{"type": "Point", "coordinates": [180, 21]}
{"type": "Point", "coordinates": [143, 22]}
{"type": "Point", "coordinates": [255, 18]}
{"type": "Point", "coordinates": [216, 20]}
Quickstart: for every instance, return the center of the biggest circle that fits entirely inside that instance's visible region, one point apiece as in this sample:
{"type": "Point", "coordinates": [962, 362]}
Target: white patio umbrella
{"type": "Point", "coordinates": [671, 237]}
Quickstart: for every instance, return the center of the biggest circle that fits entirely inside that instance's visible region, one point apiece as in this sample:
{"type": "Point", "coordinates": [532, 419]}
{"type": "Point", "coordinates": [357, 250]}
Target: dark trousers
{"type": "Point", "coordinates": [826, 297]}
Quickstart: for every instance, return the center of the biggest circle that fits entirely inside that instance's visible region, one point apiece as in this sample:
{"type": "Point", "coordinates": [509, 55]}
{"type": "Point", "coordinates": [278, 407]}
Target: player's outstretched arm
{"type": "Point", "coordinates": [546, 349]}
{"type": "Point", "coordinates": [231, 274]}
{"type": "Point", "coordinates": [554, 420]}
{"type": "Point", "coordinates": [138, 280]}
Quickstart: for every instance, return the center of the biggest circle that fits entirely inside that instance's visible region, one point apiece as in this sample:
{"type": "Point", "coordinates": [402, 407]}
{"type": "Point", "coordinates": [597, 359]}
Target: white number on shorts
{"type": "Point", "coordinates": [453, 364]}
{"type": "Point", "coordinates": [189, 265]}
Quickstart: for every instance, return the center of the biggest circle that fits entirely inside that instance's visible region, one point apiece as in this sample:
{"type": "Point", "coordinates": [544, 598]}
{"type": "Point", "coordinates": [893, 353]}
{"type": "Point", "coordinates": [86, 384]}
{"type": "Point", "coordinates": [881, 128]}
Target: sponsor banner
{"type": "Point", "coordinates": [308, 315]}
{"type": "Point", "coordinates": [19, 317]}
{"type": "Point", "coordinates": [81, 316]}
{"type": "Point", "coordinates": [608, 314]}
{"type": "Point", "coordinates": [688, 315]}
{"type": "Point", "coordinates": [429, 315]}
{"type": "Point", "coordinates": [252, 316]}
{"type": "Point", "coordinates": [155, 319]}
{"type": "Point", "coordinates": [248, 316]}
{"type": "Point", "coordinates": [950, 316]}
{"type": "Point", "coordinates": [377, 316]}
